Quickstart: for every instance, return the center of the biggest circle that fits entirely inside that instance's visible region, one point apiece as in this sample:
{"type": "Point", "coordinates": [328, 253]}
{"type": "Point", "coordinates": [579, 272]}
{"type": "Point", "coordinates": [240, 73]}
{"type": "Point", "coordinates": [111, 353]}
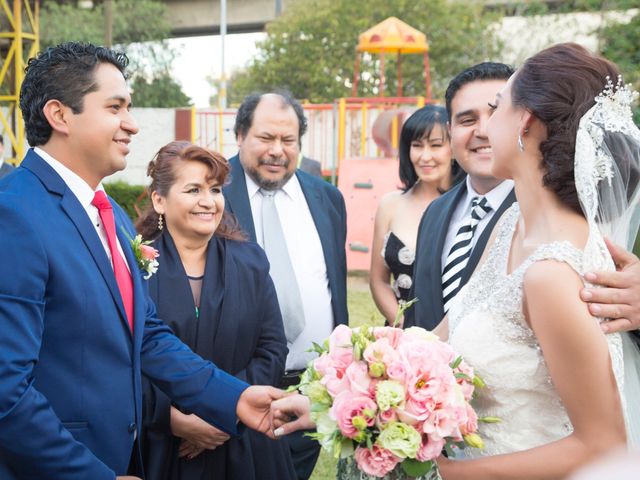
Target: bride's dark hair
{"type": "Point", "coordinates": [559, 85]}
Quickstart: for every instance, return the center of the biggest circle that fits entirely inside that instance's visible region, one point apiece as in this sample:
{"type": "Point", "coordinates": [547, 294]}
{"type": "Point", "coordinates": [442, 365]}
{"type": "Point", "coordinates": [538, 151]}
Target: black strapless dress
{"type": "Point", "coordinates": [399, 260]}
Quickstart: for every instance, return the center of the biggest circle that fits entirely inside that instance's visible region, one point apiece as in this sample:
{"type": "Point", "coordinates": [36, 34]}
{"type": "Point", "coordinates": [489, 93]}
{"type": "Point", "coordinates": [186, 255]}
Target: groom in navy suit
{"type": "Point", "coordinates": [77, 327]}
{"type": "Point", "coordinates": [271, 198]}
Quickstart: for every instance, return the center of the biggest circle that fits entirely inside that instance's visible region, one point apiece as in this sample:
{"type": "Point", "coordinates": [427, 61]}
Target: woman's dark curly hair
{"type": "Point", "coordinates": [559, 85]}
{"type": "Point", "coordinates": [162, 170]}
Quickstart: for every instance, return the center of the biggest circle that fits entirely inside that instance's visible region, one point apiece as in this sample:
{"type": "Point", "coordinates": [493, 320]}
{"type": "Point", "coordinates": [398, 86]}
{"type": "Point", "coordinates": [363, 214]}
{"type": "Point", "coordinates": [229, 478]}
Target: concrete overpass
{"type": "Point", "coordinates": [202, 17]}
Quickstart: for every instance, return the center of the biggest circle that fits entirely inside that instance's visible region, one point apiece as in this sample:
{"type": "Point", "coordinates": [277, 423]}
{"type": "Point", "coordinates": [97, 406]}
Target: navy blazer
{"type": "Point", "coordinates": [428, 311]}
{"type": "Point", "coordinates": [70, 368]}
{"type": "Point", "coordinates": [329, 215]}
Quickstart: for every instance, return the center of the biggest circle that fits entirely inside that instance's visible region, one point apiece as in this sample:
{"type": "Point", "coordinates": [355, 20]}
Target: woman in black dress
{"type": "Point", "coordinates": [426, 171]}
{"type": "Point", "coordinates": [213, 289]}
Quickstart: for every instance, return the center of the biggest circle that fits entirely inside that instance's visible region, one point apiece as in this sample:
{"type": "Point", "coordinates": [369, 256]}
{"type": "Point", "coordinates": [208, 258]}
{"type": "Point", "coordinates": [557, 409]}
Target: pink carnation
{"type": "Point", "coordinates": [149, 253]}
{"type": "Point", "coordinates": [376, 462]}
{"type": "Point", "coordinates": [471, 424]}
{"type": "Point", "coordinates": [442, 423]}
{"type": "Point", "coordinates": [347, 406]}
{"type": "Point", "coordinates": [430, 449]}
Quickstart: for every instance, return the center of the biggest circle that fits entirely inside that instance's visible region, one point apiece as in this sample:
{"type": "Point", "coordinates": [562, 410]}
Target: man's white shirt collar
{"type": "Point", "coordinates": [81, 189]}
{"type": "Point", "coordinates": [494, 197]}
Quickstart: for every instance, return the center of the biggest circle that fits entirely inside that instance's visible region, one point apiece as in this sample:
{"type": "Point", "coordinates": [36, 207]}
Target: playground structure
{"type": "Point", "coordinates": [355, 138]}
{"type": "Point", "coordinates": [19, 41]}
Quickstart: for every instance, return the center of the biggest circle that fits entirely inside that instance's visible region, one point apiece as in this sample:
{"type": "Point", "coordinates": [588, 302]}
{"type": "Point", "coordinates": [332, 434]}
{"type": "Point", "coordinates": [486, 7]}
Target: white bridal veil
{"type": "Point", "coordinates": [607, 176]}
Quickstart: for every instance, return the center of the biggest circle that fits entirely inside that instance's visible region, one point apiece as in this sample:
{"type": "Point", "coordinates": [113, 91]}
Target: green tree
{"type": "Point", "coordinates": [310, 49]}
{"type": "Point", "coordinates": [139, 28]}
{"type": "Point", "coordinates": [621, 44]}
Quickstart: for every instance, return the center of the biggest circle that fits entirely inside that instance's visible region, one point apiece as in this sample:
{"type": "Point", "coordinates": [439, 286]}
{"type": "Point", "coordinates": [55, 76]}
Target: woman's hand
{"type": "Point", "coordinates": [196, 431]}
{"type": "Point", "coordinates": [290, 414]}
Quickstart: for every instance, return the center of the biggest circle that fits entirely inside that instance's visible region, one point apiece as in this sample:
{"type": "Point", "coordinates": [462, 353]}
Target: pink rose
{"type": "Point", "coordinates": [376, 462]}
{"type": "Point", "coordinates": [415, 411]}
{"type": "Point", "coordinates": [386, 417]}
{"type": "Point", "coordinates": [347, 408]}
{"type": "Point", "coordinates": [149, 253]}
{"type": "Point", "coordinates": [380, 351]}
{"type": "Point", "coordinates": [396, 371]}
{"type": "Point", "coordinates": [358, 376]}
{"type": "Point", "coordinates": [390, 333]}
{"type": "Point", "coordinates": [340, 338]}
{"type": "Point", "coordinates": [430, 449]}
{"type": "Point", "coordinates": [431, 382]}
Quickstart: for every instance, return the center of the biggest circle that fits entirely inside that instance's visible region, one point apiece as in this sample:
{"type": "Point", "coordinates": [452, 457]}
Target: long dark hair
{"type": "Point", "coordinates": [559, 85]}
{"type": "Point", "coordinates": [162, 170]}
{"type": "Point", "coordinates": [420, 125]}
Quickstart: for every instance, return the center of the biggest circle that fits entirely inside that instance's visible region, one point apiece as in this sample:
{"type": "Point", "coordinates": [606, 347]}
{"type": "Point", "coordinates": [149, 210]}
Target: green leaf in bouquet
{"type": "Point", "coordinates": [456, 363]}
{"type": "Point", "coordinates": [319, 349]}
{"type": "Point", "coordinates": [416, 468]}
{"type": "Point", "coordinates": [463, 376]}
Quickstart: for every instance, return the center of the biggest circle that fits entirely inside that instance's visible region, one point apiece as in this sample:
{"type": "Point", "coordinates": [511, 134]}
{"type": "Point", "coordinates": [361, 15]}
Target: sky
{"type": "Point", "coordinates": [200, 57]}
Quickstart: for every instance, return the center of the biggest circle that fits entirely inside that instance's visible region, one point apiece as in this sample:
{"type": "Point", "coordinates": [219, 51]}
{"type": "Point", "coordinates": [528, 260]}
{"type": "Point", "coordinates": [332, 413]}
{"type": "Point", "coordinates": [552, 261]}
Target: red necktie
{"type": "Point", "coordinates": [123, 276]}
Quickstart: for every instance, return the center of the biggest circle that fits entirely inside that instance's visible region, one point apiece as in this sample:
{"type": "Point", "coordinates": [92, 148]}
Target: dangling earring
{"type": "Point", "coordinates": [520, 142]}
{"type": "Point", "coordinates": [160, 225]}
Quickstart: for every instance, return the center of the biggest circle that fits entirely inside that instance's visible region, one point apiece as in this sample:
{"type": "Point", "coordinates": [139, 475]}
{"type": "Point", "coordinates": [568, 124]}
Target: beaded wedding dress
{"type": "Point", "coordinates": [486, 320]}
{"type": "Point", "coordinates": [487, 327]}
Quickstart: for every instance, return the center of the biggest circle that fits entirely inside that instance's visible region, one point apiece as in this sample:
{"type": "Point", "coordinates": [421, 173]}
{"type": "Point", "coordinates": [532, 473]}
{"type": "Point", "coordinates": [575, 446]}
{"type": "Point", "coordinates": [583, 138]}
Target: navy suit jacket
{"type": "Point", "coordinates": [70, 368]}
{"type": "Point", "coordinates": [428, 311]}
{"type": "Point", "coordinates": [329, 215]}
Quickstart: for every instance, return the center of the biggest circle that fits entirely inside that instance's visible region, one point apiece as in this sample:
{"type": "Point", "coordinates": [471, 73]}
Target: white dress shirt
{"type": "Point", "coordinates": [462, 212]}
{"type": "Point", "coordinates": [307, 259]}
{"type": "Point", "coordinates": [84, 193]}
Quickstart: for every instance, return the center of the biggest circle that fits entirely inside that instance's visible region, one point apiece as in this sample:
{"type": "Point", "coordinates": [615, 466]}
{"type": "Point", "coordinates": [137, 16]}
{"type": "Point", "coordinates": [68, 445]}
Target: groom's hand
{"type": "Point", "coordinates": [254, 407]}
{"type": "Point", "coordinates": [619, 298]}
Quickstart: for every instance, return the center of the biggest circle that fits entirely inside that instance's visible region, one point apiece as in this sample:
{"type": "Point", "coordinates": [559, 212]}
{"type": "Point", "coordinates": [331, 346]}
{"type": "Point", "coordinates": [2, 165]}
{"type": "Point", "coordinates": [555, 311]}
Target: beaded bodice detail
{"type": "Point", "coordinates": [488, 328]}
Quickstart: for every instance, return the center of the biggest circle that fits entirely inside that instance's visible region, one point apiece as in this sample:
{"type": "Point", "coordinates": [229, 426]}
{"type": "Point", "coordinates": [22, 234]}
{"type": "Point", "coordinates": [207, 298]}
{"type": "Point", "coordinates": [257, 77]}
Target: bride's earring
{"type": "Point", "coordinates": [520, 142]}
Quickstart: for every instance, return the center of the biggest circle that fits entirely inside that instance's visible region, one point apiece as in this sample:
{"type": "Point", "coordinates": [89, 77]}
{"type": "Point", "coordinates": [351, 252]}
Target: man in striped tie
{"type": "Point", "coordinates": [455, 228]}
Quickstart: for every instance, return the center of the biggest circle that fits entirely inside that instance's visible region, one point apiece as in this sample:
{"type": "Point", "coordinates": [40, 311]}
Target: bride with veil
{"type": "Point", "coordinates": [562, 129]}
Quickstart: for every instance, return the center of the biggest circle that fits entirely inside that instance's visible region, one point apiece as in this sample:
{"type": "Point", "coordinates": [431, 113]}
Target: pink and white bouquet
{"type": "Point", "coordinates": [388, 397]}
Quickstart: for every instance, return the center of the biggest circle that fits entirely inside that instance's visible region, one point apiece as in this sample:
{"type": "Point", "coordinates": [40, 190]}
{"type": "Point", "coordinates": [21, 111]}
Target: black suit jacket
{"type": "Point", "coordinates": [428, 311]}
{"type": "Point", "coordinates": [329, 215]}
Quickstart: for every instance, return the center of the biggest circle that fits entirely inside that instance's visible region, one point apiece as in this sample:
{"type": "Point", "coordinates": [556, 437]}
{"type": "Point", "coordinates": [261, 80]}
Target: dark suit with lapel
{"type": "Point", "coordinates": [70, 367]}
{"type": "Point", "coordinates": [427, 269]}
{"type": "Point", "coordinates": [239, 328]}
{"type": "Point", "coordinates": [329, 215]}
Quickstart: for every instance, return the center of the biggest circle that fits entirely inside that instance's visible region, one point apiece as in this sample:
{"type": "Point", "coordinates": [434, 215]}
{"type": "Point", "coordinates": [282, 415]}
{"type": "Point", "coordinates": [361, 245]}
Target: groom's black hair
{"type": "Point", "coordinates": [479, 72]}
{"type": "Point", "coordinates": [65, 73]}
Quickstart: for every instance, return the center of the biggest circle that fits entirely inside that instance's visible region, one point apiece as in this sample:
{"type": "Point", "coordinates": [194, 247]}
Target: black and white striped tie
{"type": "Point", "coordinates": [460, 251]}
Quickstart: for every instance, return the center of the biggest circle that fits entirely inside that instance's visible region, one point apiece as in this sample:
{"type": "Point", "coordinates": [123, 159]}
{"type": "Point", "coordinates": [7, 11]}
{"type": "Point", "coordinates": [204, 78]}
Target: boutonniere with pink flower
{"type": "Point", "coordinates": [146, 255]}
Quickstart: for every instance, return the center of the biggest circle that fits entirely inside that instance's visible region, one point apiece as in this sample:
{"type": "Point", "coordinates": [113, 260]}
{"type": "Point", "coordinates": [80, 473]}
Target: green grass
{"type": "Point", "coordinates": [362, 311]}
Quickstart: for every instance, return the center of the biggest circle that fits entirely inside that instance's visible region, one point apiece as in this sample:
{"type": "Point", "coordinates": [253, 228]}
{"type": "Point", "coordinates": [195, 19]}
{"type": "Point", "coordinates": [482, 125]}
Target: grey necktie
{"type": "Point", "coordinates": [282, 273]}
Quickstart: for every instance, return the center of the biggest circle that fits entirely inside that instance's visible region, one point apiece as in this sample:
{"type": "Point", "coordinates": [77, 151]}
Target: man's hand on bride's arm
{"type": "Point", "coordinates": [618, 299]}
{"type": "Point", "coordinates": [290, 414]}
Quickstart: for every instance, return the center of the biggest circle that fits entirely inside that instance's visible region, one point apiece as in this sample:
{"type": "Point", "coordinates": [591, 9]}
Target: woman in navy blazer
{"type": "Point", "coordinates": [213, 289]}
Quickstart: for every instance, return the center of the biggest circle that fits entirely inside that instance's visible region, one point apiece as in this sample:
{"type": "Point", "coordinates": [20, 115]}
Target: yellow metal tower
{"type": "Point", "coordinates": [19, 41]}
